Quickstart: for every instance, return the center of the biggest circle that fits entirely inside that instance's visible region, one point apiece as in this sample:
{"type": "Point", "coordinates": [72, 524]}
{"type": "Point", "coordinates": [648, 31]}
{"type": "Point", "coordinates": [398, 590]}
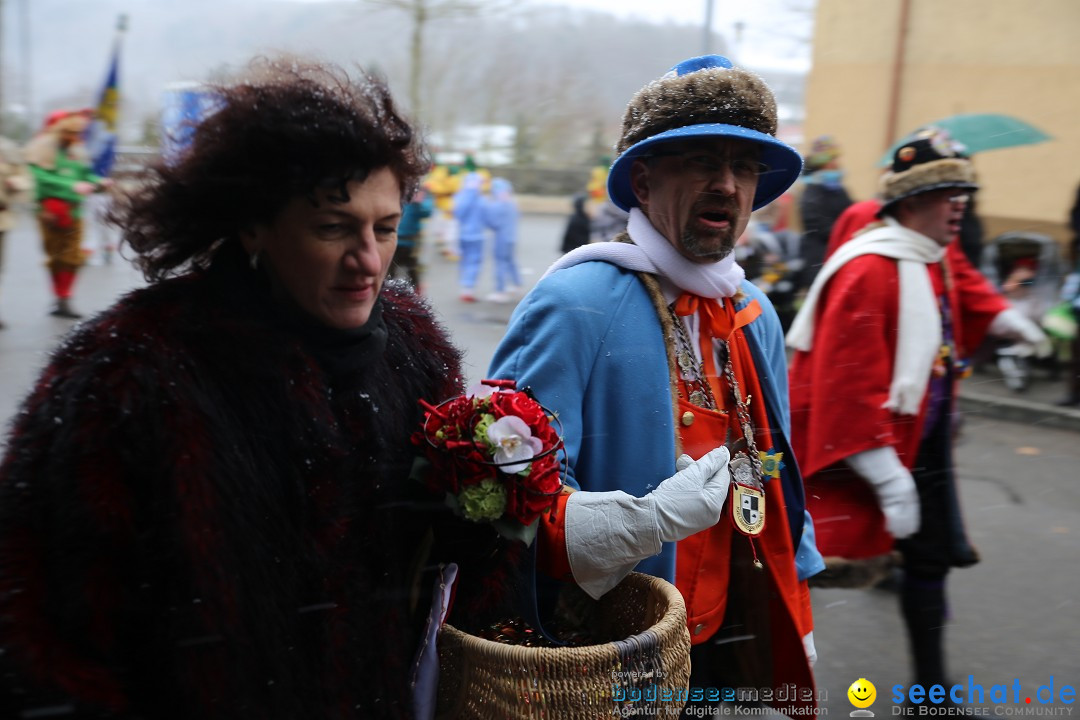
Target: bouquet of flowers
{"type": "Point", "coordinates": [493, 452]}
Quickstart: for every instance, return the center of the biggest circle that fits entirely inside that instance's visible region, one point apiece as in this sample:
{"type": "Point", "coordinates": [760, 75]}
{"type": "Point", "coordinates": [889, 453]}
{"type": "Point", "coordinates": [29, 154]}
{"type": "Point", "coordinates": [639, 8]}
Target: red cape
{"type": "Point", "coordinates": [839, 386]}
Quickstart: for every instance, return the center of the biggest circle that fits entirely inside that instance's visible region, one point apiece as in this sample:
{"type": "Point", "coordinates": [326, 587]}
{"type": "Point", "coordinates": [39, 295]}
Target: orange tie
{"type": "Point", "coordinates": [716, 321]}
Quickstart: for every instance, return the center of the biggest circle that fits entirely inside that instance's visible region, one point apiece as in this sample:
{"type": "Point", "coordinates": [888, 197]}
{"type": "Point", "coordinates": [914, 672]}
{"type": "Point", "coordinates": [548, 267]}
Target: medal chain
{"type": "Point", "coordinates": [700, 391]}
{"type": "Point", "coordinates": [742, 410]}
{"type": "Point", "coordinates": [693, 366]}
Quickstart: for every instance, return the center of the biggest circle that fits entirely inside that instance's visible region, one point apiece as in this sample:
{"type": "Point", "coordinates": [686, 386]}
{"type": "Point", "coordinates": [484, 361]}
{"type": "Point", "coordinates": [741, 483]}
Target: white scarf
{"type": "Point", "coordinates": [651, 252]}
{"type": "Point", "coordinates": [919, 332]}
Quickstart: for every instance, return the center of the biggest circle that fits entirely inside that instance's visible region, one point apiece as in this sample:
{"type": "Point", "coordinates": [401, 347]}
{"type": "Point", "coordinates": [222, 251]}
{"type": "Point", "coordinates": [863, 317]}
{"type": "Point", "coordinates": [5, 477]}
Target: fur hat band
{"type": "Point", "coordinates": [698, 98]}
{"type": "Point", "coordinates": [928, 161]}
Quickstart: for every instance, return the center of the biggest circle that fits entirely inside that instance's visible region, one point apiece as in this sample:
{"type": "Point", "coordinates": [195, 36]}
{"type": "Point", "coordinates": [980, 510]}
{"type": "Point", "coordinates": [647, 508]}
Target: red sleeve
{"type": "Point", "coordinates": [551, 557]}
{"type": "Point", "coordinates": [805, 618]}
{"type": "Point", "coordinates": [853, 219]}
{"type": "Point", "coordinates": [839, 387]}
{"type": "Point", "coordinates": [978, 301]}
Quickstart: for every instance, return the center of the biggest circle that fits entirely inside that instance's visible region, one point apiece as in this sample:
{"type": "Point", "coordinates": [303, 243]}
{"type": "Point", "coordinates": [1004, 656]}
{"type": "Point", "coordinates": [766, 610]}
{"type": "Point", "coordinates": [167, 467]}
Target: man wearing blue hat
{"type": "Point", "coordinates": [654, 350]}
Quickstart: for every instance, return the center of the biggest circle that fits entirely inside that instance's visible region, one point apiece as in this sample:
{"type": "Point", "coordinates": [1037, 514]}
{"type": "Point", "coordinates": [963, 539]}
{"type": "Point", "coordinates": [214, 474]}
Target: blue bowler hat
{"type": "Point", "coordinates": [704, 97]}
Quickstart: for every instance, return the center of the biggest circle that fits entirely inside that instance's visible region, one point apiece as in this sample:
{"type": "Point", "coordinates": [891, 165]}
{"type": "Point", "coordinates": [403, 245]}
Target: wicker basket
{"type": "Point", "coordinates": [645, 667]}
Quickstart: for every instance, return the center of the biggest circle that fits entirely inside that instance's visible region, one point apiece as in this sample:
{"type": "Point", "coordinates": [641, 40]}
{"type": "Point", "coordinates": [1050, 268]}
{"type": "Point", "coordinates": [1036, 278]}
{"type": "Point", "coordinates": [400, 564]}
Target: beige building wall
{"type": "Point", "coordinates": [1020, 57]}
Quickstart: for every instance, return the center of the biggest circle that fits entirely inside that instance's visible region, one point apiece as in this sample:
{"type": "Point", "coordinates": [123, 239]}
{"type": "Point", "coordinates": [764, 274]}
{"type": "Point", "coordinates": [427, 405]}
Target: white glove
{"type": "Point", "coordinates": [808, 648]}
{"type": "Point", "coordinates": [609, 533]}
{"type": "Point", "coordinates": [895, 488]}
{"type": "Point", "coordinates": [1010, 323]}
{"type": "Point", "coordinates": [692, 499]}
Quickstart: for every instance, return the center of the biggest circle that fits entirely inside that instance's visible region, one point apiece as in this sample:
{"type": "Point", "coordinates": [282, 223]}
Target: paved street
{"type": "Point", "coordinates": [26, 299]}
{"type": "Point", "coordinates": [1015, 616]}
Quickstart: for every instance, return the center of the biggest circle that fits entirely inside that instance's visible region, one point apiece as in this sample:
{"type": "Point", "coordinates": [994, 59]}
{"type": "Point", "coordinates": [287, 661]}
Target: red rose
{"type": "Point", "coordinates": [548, 435]}
{"type": "Point", "coordinates": [469, 465]}
{"type": "Point", "coordinates": [547, 473]}
{"type": "Point", "coordinates": [446, 438]}
{"type": "Point", "coordinates": [527, 409]}
{"type": "Point", "coordinates": [518, 404]}
{"type": "Point", "coordinates": [529, 497]}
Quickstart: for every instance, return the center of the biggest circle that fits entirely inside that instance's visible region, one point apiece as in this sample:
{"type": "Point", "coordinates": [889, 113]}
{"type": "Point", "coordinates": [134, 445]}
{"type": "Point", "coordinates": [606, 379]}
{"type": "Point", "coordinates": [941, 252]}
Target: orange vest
{"type": "Point", "coordinates": [703, 564]}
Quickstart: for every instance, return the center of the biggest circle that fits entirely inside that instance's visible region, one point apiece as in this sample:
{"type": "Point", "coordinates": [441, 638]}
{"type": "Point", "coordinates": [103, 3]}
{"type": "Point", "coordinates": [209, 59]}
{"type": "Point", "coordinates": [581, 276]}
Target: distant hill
{"type": "Point", "coordinates": [561, 76]}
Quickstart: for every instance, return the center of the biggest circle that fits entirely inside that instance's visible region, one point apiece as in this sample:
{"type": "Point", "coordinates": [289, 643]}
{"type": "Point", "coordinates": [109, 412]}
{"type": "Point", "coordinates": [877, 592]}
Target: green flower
{"type": "Point", "coordinates": [484, 502]}
{"type": "Point", "coordinates": [480, 436]}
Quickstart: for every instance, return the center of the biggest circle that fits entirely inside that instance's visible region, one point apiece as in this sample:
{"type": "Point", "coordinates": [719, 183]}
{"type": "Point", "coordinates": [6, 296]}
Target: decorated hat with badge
{"type": "Point", "coordinates": [823, 151]}
{"type": "Point", "coordinates": [929, 160]}
{"type": "Point", "coordinates": [704, 97]}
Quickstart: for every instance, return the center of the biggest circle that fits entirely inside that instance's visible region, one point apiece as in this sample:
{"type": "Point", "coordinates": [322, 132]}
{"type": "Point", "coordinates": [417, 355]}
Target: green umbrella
{"type": "Point", "coordinates": [979, 132]}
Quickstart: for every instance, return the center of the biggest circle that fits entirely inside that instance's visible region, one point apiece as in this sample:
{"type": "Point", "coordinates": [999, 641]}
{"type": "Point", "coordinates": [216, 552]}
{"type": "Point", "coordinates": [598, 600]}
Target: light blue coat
{"type": "Point", "coordinates": [469, 208]}
{"type": "Point", "coordinates": [588, 341]}
{"type": "Point", "coordinates": [501, 212]}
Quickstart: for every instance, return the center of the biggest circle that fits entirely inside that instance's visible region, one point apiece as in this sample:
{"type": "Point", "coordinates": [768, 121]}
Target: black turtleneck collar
{"type": "Point", "coordinates": [340, 353]}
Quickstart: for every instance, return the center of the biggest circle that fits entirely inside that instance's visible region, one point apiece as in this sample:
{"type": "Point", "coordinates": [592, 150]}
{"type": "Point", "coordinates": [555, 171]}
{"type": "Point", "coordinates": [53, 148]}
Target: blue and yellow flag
{"type": "Point", "coordinates": [101, 135]}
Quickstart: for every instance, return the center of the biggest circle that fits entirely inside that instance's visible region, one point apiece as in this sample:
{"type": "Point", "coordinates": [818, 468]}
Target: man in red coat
{"type": "Point", "coordinates": [880, 342]}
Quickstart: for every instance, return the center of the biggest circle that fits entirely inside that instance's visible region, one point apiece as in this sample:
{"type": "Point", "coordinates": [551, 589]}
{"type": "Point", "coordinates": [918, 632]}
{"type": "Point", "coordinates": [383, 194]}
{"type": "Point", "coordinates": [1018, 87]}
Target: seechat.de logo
{"type": "Point", "coordinates": [862, 694]}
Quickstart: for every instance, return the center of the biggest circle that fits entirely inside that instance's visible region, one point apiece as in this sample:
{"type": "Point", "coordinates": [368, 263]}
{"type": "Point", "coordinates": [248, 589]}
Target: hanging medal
{"type": "Point", "coordinates": [747, 495]}
{"type": "Point", "coordinates": [747, 486]}
{"type": "Point", "coordinates": [747, 508]}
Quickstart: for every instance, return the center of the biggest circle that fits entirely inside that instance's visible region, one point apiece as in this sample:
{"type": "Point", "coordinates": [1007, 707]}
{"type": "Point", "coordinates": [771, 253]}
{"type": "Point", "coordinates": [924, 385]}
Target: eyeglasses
{"type": "Point", "coordinates": [934, 197]}
{"type": "Point", "coordinates": [706, 164]}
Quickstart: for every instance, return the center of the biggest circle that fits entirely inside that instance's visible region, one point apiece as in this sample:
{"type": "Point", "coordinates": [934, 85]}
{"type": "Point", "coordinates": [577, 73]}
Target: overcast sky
{"type": "Point", "coordinates": [170, 41]}
{"type": "Point", "coordinates": [776, 33]}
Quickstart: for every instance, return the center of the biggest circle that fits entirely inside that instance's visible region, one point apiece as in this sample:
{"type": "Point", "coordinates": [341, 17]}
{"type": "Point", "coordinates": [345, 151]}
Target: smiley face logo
{"type": "Point", "coordinates": [862, 693]}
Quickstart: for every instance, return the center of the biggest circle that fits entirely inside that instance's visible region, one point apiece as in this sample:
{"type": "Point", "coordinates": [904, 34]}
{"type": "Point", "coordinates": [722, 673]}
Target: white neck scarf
{"type": "Point", "coordinates": [651, 252]}
{"type": "Point", "coordinates": [919, 333]}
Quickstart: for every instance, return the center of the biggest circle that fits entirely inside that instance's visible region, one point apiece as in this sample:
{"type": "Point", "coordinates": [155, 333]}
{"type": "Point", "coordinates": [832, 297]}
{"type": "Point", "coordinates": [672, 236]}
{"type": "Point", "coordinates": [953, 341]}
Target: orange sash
{"type": "Point", "coordinates": [702, 568]}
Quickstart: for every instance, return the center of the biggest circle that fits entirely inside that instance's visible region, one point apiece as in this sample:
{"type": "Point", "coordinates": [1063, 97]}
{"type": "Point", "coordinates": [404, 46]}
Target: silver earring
{"type": "Point", "coordinates": [253, 260]}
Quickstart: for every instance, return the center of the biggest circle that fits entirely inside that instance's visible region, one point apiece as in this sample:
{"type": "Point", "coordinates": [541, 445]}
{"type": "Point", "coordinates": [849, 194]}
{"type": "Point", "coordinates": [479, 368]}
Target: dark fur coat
{"type": "Point", "coordinates": [198, 520]}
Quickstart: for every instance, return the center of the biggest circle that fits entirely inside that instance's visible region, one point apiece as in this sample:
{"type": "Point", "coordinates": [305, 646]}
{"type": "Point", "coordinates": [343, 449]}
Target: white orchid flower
{"type": "Point", "coordinates": [514, 443]}
{"type": "Point", "coordinates": [479, 390]}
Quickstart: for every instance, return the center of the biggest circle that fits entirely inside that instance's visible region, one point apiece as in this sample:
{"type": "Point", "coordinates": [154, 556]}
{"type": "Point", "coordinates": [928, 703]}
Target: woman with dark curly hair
{"type": "Point", "coordinates": [204, 503]}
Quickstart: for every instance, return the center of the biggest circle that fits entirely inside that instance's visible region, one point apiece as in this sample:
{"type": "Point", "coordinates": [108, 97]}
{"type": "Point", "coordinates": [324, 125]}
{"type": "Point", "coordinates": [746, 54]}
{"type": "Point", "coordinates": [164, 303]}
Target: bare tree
{"type": "Point", "coordinates": [420, 13]}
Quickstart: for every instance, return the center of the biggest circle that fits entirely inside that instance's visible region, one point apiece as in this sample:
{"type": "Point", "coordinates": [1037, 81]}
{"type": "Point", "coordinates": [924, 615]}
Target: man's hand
{"type": "Point", "coordinates": [1010, 323]}
{"type": "Point", "coordinates": [608, 533]}
{"type": "Point", "coordinates": [809, 649]}
{"type": "Point", "coordinates": [691, 500]}
{"type": "Point", "coordinates": [894, 486]}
